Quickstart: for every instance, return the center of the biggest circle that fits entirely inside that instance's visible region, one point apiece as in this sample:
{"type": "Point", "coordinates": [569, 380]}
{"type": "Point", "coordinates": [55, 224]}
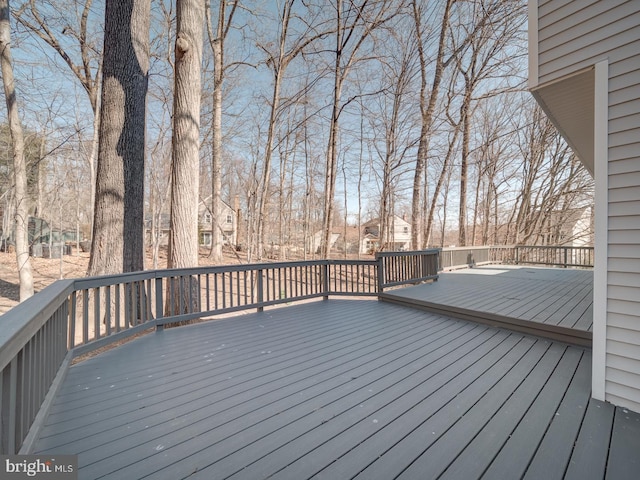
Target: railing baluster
{"type": "Point", "coordinates": [85, 316]}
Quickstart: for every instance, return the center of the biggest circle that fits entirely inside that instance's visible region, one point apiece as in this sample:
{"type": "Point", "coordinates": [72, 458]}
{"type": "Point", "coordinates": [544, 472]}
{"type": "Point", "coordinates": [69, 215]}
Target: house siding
{"type": "Point", "coordinates": [622, 375]}
{"type": "Point", "coordinates": [573, 36]}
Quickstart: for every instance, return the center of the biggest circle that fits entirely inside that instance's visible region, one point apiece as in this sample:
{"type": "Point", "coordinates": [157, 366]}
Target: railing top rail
{"type": "Point", "coordinates": [104, 280]}
{"type": "Point", "coordinates": [479, 247]}
{"type": "Point", "coordinates": [21, 322]}
{"type": "Point", "coordinates": [429, 251]}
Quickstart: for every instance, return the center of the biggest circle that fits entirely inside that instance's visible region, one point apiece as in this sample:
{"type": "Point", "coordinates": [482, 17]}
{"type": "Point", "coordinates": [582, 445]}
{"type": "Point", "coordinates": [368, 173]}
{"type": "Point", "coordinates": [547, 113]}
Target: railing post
{"type": "Point", "coordinates": [380, 273]}
{"type": "Point", "coordinates": [159, 303]}
{"type": "Point", "coordinates": [565, 256]}
{"type": "Point", "coordinates": [259, 287]}
{"type": "Point", "coordinates": [325, 280]}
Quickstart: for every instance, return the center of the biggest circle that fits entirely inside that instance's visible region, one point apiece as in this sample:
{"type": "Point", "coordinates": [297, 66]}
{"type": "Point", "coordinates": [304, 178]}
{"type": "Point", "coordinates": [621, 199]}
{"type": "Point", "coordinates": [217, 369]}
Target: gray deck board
{"type": "Point", "coordinates": [557, 303]}
{"type": "Point", "coordinates": [592, 447]}
{"type": "Point", "coordinates": [624, 452]}
{"type": "Point", "coordinates": [337, 389]}
{"type": "Point", "coordinates": [552, 458]}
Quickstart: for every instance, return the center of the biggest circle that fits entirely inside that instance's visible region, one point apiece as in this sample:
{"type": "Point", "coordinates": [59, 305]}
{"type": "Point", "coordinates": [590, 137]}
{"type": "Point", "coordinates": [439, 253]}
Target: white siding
{"type": "Point", "coordinates": [573, 36]}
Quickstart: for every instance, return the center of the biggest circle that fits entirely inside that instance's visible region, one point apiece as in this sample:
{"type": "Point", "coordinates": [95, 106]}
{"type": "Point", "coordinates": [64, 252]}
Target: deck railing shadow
{"type": "Point", "coordinates": [41, 336]}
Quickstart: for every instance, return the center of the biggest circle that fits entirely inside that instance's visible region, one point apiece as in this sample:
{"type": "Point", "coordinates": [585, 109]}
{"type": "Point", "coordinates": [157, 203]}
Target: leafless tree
{"type": "Point", "coordinates": [428, 101]}
{"type": "Point", "coordinates": [118, 227]}
{"type": "Point", "coordinates": [217, 39]}
{"type": "Point", "coordinates": [82, 54]}
{"type": "Point", "coordinates": [21, 221]}
{"type": "Point", "coordinates": [355, 22]}
{"type": "Point", "coordinates": [183, 238]}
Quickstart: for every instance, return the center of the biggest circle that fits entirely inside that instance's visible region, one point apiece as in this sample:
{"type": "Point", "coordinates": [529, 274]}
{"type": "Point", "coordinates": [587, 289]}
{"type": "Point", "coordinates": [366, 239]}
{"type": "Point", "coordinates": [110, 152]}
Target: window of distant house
{"type": "Point", "coordinates": [207, 218]}
{"type": "Point", "coordinates": [229, 219]}
{"type": "Point", "coordinates": [205, 238]}
{"type": "Point", "coordinates": [405, 229]}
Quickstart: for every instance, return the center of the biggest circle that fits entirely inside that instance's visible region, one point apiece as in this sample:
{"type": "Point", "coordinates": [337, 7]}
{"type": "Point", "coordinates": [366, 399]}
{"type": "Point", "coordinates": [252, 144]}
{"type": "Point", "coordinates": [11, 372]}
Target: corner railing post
{"type": "Point", "coordinates": [380, 273]}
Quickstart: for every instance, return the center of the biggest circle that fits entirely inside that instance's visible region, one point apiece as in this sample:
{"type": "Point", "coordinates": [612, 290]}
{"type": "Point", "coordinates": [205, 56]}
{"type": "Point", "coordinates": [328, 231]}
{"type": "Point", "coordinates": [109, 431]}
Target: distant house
{"type": "Point", "coordinates": [398, 237]}
{"type": "Point", "coordinates": [227, 223]}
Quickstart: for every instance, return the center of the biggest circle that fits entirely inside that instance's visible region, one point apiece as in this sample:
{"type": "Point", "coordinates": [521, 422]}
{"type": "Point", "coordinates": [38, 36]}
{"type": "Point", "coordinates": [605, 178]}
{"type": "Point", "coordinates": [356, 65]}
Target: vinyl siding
{"type": "Point", "coordinates": [623, 317]}
{"type": "Point", "coordinates": [572, 36]}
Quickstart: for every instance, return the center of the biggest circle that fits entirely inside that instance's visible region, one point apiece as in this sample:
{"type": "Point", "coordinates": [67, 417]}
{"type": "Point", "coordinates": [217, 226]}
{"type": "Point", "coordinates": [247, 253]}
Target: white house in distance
{"type": "Point", "coordinates": [228, 223]}
{"type": "Point", "coordinates": [399, 235]}
{"type": "Point", "coordinates": [584, 71]}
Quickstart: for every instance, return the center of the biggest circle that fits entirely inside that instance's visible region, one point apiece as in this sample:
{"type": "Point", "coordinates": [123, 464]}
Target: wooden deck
{"type": "Point", "coordinates": [551, 302]}
{"type": "Point", "coordinates": [340, 389]}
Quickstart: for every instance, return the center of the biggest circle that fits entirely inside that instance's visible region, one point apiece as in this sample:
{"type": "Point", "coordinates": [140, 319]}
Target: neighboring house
{"type": "Point", "coordinates": [397, 239]}
{"type": "Point", "coordinates": [227, 223]}
{"type": "Point", "coordinates": [584, 70]}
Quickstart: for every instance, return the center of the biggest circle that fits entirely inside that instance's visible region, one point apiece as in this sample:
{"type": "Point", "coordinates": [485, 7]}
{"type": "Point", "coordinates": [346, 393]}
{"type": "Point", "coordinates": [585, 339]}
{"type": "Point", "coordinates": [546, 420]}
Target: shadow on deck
{"type": "Point", "coordinates": [340, 389]}
{"type": "Point", "coordinates": [550, 302]}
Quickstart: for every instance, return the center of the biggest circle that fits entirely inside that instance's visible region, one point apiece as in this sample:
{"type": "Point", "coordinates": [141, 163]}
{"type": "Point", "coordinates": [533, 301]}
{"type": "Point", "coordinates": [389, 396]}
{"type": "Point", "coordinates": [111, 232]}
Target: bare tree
{"type": "Point", "coordinates": [428, 101]}
{"type": "Point", "coordinates": [217, 42]}
{"type": "Point", "coordinates": [355, 22]}
{"type": "Point", "coordinates": [118, 227]}
{"type": "Point", "coordinates": [485, 59]}
{"type": "Point", "coordinates": [21, 222]}
{"type": "Point", "coordinates": [288, 49]}
{"type": "Point", "coordinates": [55, 29]}
{"type": "Point", "coordinates": [183, 237]}
{"type": "Point", "coordinates": [395, 119]}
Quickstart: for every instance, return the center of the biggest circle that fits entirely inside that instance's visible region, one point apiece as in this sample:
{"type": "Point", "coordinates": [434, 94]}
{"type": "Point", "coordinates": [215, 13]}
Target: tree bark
{"type": "Point", "coordinates": [118, 229]}
{"type": "Point", "coordinates": [21, 219]}
{"type": "Point", "coordinates": [183, 237]}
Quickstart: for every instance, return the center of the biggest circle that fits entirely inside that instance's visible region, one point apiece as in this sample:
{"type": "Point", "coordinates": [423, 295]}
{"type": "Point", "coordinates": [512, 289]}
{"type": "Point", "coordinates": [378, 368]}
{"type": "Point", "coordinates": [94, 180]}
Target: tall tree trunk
{"type": "Point", "coordinates": [183, 238]}
{"type": "Point", "coordinates": [427, 109]}
{"type": "Point", "coordinates": [118, 228]}
{"type": "Point", "coordinates": [216, 42]}
{"type": "Point", "coordinates": [465, 117]}
{"type": "Point", "coordinates": [21, 221]}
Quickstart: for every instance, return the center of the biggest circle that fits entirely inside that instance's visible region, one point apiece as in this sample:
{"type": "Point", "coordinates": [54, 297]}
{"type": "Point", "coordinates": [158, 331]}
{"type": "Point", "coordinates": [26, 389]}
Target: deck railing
{"type": "Point", "coordinates": [40, 337]}
{"type": "Point", "coordinates": [557, 256]}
